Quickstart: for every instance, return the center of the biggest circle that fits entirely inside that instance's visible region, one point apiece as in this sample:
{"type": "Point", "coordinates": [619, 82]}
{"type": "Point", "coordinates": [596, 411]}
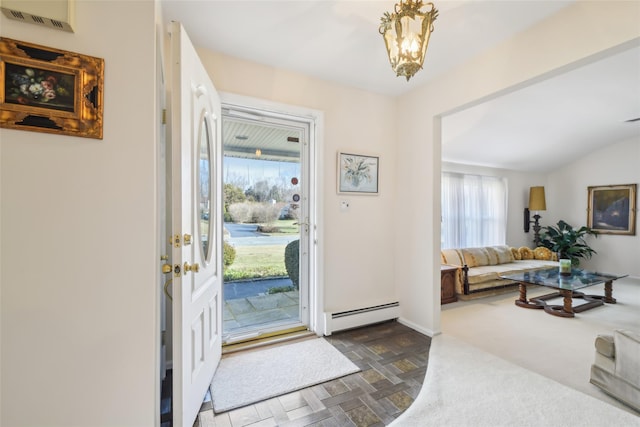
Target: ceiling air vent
{"type": "Point", "coordinates": [57, 14]}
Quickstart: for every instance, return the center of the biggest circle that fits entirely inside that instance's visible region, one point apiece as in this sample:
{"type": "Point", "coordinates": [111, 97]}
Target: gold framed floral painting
{"type": "Point", "coordinates": [612, 209]}
{"type": "Point", "coordinates": [43, 89]}
{"type": "Point", "coordinates": [358, 174]}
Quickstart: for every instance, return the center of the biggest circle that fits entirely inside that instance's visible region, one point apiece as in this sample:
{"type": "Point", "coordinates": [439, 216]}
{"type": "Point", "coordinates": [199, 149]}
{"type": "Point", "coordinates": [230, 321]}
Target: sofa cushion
{"type": "Point", "coordinates": [493, 272]}
{"type": "Point", "coordinates": [490, 284]}
{"type": "Point", "coordinates": [451, 257]}
{"type": "Point", "coordinates": [475, 257]}
{"type": "Point", "coordinates": [499, 254]}
{"type": "Point", "coordinates": [516, 254]}
{"type": "Point", "coordinates": [482, 273]}
{"type": "Point", "coordinates": [535, 264]}
{"type": "Point", "coordinates": [604, 345]}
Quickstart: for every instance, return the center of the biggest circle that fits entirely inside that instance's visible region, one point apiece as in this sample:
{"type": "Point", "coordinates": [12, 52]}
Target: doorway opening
{"type": "Point", "coordinates": [266, 180]}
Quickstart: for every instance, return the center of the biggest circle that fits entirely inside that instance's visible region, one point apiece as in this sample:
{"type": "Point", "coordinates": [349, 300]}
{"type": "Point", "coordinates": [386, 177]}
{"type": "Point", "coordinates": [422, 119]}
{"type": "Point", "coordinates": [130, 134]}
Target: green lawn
{"type": "Point", "coordinates": [287, 226]}
{"type": "Point", "coordinates": [256, 262]}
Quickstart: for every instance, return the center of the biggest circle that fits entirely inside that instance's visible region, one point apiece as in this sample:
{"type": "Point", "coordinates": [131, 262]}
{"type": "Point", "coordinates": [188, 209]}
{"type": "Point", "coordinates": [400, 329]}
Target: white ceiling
{"type": "Point", "coordinates": [339, 41]}
{"type": "Point", "coordinates": [553, 122]}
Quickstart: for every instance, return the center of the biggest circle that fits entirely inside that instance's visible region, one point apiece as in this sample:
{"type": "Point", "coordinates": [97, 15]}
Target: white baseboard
{"type": "Point", "coordinates": [425, 331]}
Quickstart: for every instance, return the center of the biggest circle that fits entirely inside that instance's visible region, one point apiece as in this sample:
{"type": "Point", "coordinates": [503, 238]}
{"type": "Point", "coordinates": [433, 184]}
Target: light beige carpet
{"type": "Point", "coordinates": [468, 387]}
{"type": "Point", "coordinates": [558, 348]}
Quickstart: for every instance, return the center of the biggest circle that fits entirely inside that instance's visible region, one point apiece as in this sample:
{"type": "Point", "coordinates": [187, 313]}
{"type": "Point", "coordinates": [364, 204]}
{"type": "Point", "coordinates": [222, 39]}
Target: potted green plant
{"type": "Point", "coordinates": [568, 242]}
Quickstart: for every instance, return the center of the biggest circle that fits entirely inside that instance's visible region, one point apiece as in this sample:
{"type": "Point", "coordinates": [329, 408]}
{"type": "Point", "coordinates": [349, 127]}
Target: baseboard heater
{"type": "Point", "coordinates": [360, 317]}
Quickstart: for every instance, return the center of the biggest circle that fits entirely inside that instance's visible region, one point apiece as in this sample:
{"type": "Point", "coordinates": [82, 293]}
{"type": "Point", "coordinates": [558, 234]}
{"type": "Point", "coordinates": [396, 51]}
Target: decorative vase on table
{"type": "Point", "coordinates": [564, 265]}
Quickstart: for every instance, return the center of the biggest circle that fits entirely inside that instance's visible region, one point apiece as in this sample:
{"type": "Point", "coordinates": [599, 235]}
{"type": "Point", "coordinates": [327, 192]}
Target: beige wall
{"type": "Point", "coordinates": [567, 200]}
{"type": "Point", "coordinates": [575, 33]}
{"type": "Point", "coordinates": [78, 276]}
{"type": "Point", "coordinates": [358, 244]}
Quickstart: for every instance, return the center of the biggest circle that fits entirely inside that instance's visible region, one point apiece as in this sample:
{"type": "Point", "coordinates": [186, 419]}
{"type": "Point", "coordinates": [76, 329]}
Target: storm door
{"type": "Point", "coordinates": [266, 224]}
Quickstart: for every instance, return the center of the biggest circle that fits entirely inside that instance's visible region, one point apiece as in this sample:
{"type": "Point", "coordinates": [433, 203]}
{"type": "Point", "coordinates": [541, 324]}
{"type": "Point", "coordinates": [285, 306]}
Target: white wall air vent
{"type": "Point", "coordinates": [57, 14]}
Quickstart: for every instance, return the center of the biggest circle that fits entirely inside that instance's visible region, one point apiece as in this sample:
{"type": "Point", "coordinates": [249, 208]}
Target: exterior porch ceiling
{"type": "Point", "coordinates": [242, 137]}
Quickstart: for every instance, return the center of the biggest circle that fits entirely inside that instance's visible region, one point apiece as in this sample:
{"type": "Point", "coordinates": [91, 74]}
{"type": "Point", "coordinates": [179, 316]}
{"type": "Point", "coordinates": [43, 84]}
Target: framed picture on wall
{"type": "Point", "coordinates": [357, 174]}
{"type": "Point", "coordinates": [43, 89]}
{"type": "Point", "coordinates": [612, 209]}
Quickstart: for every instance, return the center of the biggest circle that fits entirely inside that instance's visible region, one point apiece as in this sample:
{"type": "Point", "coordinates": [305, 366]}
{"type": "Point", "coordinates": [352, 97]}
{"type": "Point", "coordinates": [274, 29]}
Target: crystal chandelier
{"type": "Point", "coordinates": [406, 34]}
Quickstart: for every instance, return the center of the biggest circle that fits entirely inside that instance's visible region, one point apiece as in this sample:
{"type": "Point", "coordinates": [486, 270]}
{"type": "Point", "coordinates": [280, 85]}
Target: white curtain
{"type": "Point", "coordinates": [474, 211]}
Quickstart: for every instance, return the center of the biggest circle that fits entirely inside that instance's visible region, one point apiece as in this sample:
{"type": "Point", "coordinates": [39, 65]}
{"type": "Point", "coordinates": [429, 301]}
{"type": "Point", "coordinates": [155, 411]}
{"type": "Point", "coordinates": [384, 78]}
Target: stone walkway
{"type": "Point", "coordinates": [251, 311]}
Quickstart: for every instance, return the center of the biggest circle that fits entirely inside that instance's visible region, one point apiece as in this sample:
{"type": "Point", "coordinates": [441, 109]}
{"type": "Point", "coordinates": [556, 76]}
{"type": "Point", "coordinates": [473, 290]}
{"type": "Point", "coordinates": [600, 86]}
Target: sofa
{"type": "Point", "coordinates": [616, 369]}
{"type": "Point", "coordinates": [480, 268]}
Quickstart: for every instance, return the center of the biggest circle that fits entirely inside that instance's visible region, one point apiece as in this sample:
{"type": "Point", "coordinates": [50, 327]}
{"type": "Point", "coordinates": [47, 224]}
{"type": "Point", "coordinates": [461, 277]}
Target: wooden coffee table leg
{"type": "Point", "coordinates": [565, 310]}
{"type": "Point", "coordinates": [522, 300]}
{"type": "Point", "coordinates": [523, 292]}
{"type": "Point", "coordinates": [608, 292]}
{"type": "Point", "coordinates": [568, 300]}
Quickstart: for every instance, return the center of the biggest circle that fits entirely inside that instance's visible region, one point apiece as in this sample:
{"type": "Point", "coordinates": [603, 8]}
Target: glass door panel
{"type": "Point", "coordinates": [265, 215]}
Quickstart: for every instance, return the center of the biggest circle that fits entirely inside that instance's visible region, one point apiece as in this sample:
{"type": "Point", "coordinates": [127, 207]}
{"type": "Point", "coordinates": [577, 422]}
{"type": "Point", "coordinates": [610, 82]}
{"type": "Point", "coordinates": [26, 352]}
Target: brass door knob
{"type": "Point", "coordinates": [194, 267]}
{"type": "Point", "coordinates": [166, 268]}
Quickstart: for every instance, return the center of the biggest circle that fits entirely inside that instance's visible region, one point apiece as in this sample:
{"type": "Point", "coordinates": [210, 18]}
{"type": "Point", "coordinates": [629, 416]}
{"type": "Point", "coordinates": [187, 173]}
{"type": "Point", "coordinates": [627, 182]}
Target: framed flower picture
{"type": "Point", "coordinates": [612, 209]}
{"type": "Point", "coordinates": [358, 174]}
{"type": "Point", "coordinates": [43, 89]}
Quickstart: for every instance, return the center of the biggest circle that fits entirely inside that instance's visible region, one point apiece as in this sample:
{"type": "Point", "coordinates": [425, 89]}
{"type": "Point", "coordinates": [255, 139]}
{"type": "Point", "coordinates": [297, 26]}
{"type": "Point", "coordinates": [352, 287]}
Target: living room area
{"type": "Point", "coordinates": [561, 349]}
{"type": "Point", "coordinates": [558, 348]}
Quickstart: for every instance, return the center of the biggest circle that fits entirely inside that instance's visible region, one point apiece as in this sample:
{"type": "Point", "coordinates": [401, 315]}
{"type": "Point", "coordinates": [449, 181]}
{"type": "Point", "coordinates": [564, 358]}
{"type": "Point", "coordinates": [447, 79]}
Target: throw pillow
{"type": "Point", "coordinates": [475, 257]}
{"type": "Point", "coordinates": [451, 257]}
{"type": "Point", "coordinates": [525, 252]}
{"type": "Point", "coordinates": [499, 255]}
{"type": "Point", "coordinates": [516, 254]}
{"type": "Point", "coordinates": [542, 253]}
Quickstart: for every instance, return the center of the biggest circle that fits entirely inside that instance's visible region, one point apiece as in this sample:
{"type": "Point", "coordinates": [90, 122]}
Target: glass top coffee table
{"type": "Point", "coordinates": [566, 287]}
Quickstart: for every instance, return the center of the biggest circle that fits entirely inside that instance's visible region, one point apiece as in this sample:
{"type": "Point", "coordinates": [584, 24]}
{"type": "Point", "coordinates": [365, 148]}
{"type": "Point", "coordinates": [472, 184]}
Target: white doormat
{"type": "Point", "coordinates": [250, 377]}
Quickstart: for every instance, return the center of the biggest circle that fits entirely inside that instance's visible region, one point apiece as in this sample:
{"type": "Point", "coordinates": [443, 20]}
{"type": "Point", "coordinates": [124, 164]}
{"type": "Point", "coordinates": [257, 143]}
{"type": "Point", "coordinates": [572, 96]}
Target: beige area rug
{"type": "Point", "coordinates": [561, 349]}
{"type": "Point", "coordinates": [468, 387]}
{"type": "Point", "coordinates": [248, 377]}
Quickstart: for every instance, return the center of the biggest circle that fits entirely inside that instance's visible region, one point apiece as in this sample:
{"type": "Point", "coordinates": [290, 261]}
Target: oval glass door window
{"type": "Point", "coordinates": [204, 188]}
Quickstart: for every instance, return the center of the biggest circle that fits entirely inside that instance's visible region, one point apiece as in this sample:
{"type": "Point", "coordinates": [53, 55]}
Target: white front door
{"type": "Point", "coordinates": [196, 229]}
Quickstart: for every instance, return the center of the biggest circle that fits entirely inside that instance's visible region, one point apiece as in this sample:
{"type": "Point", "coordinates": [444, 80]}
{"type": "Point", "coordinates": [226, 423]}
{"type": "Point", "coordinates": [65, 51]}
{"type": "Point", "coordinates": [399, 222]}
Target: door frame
{"type": "Point", "coordinates": [315, 119]}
